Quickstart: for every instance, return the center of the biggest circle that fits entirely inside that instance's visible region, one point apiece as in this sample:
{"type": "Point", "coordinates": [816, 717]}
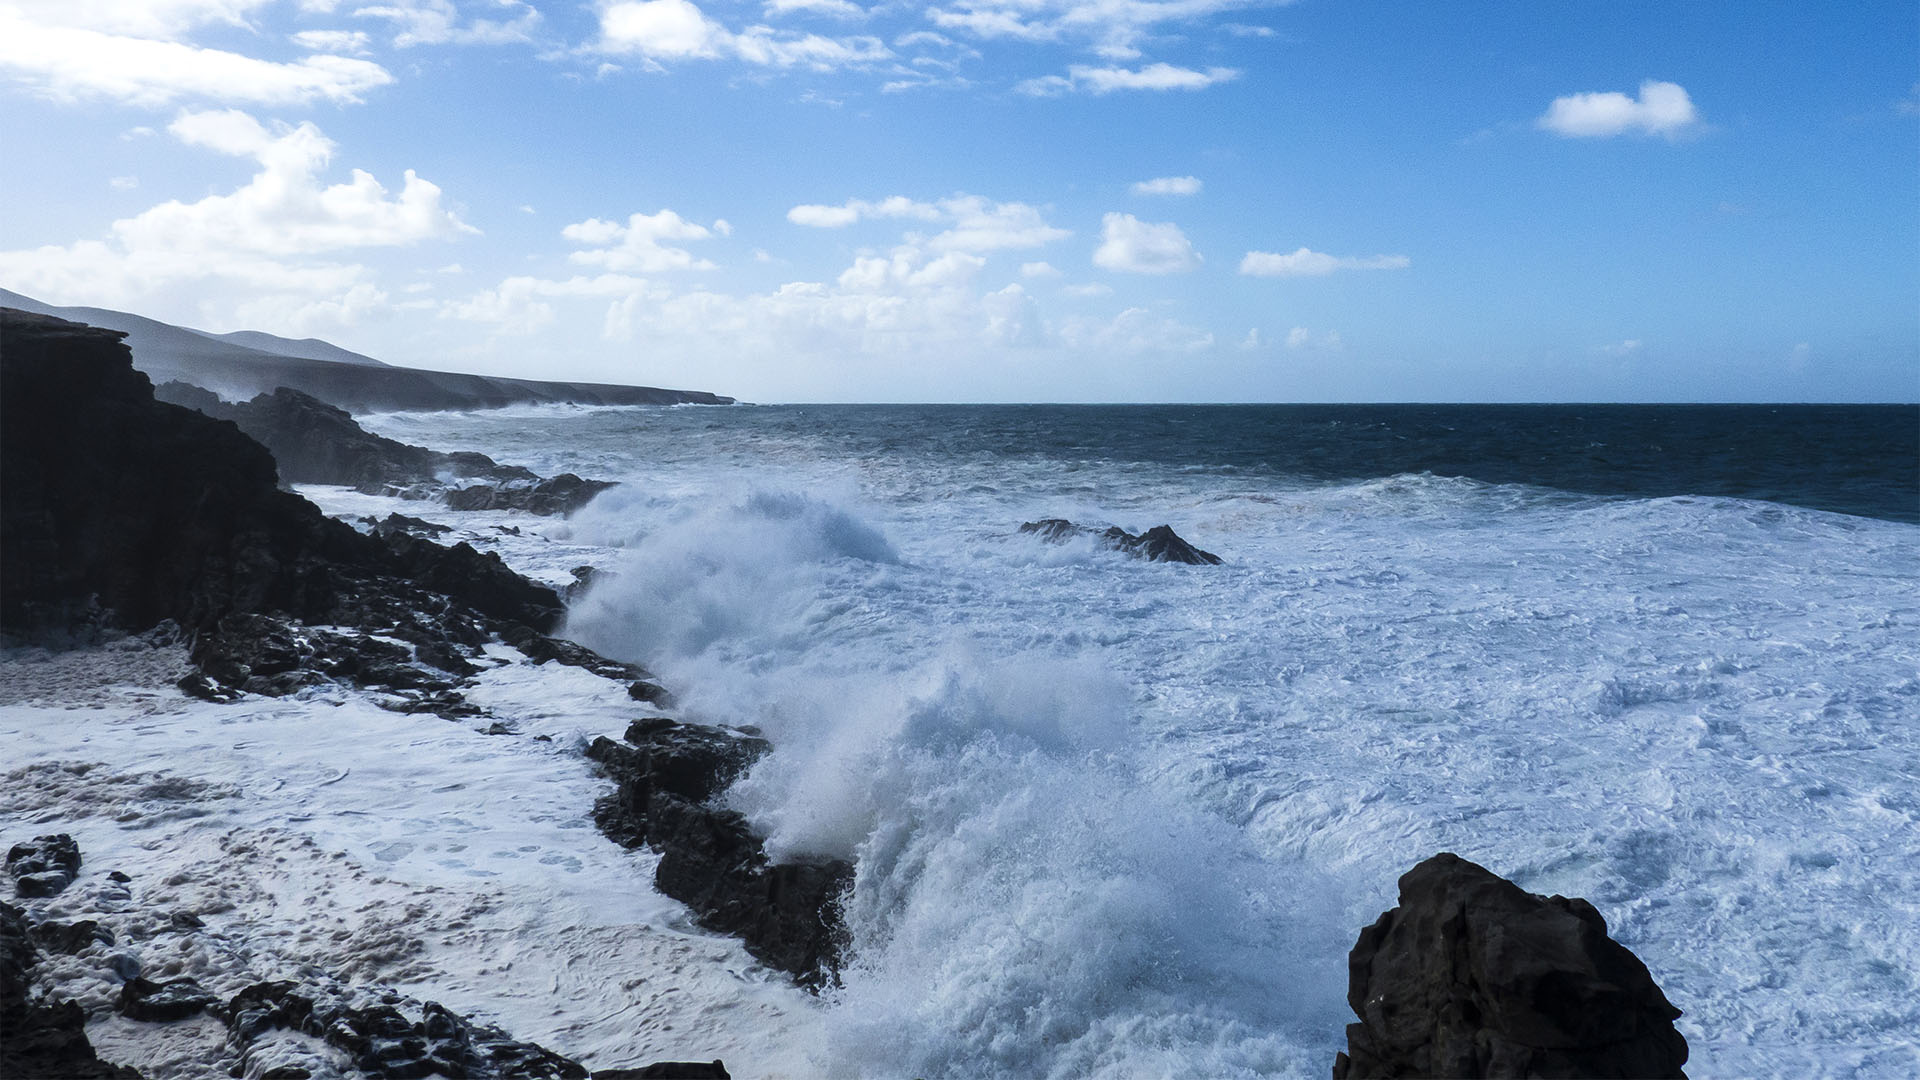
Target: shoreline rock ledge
{"type": "Point", "coordinates": [1473, 976]}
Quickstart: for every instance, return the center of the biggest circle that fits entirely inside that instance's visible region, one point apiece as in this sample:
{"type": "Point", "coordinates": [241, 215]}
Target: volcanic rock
{"type": "Point", "coordinates": [41, 1038]}
{"type": "Point", "coordinates": [1472, 976]}
{"type": "Point", "coordinates": [315, 443]}
{"type": "Point", "coordinates": [1158, 544]}
{"type": "Point", "coordinates": [668, 773]}
{"type": "Point", "coordinates": [161, 1003]}
{"type": "Point", "coordinates": [44, 865]}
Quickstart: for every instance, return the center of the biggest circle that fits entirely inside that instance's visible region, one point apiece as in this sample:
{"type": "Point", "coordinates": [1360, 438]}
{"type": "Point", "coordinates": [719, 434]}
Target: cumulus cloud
{"type": "Point", "coordinates": [1305, 263]}
{"type": "Point", "coordinates": [70, 63]}
{"type": "Point", "coordinates": [830, 9]}
{"type": "Point", "coordinates": [1663, 108]}
{"type": "Point", "coordinates": [1127, 243]}
{"type": "Point", "coordinates": [1302, 338]}
{"type": "Point", "coordinates": [162, 19]}
{"type": "Point", "coordinates": [638, 245]}
{"type": "Point", "coordinates": [974, 223]}
{"type": "Point", "coordinates": [1168, 185]}
{"type": "Point", "coordinates": [438, 22]}
{"type": "Point", "coordinates": [1112, 30]}
{"type": "Point", "coordinates": [1085, 79]}
{"type": "Point", "coordinates": [343, 42]}
{"type": "Point", "coordinates": [679, 30]}
{"type": "Point", "coordinates": [260, 237]}
{"type": "Point", "coordinates": [1038, 270]}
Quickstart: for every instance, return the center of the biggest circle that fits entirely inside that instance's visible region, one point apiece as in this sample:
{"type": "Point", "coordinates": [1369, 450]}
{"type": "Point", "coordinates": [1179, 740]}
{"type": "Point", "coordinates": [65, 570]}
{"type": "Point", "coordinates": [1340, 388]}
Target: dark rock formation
{"type": "Point", "coordinates": [45, 865]}
{"type": "Point", "coordinates": [42, 1039]}
{"type": "Point", "coordinates": [386, 1043]}
{"type": "Point", "coordinates": [401, 523]}
{"type": "Point", "coordinates": [559, 496]}
{"type": "Point", "coordinates": [315, 443]}
{"type": "Point", "coordinates": [668, 774]}
{"type": "Point", "coordinates": [1158, 544]}
{"type": "Point", "coordinates": [1472, 976]}
{"type": "Point", "coordinates": [70, 938]}
{"type": "Point", "coordinates": [161, 1003]}
{"type": "Point", "coordinates": [120, 511]}
{"type": "Point", "coordinates": [669, 1070]}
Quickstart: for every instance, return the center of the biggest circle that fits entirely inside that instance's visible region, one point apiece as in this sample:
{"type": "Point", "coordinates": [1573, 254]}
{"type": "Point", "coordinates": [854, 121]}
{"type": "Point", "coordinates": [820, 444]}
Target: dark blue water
{"type": "Point", "coordinates": [1852, 459]}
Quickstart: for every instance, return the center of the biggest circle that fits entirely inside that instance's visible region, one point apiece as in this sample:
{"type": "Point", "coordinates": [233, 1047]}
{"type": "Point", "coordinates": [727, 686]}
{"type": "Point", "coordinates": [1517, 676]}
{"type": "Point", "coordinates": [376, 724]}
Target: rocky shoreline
{"type": "Point", "coordinates": [124, 514]}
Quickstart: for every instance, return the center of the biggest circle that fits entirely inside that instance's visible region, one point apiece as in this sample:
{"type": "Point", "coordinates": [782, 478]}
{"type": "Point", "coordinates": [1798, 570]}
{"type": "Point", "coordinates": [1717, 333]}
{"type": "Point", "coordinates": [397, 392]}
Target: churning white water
{"type": "Point", "coordinates": [1120, 818]}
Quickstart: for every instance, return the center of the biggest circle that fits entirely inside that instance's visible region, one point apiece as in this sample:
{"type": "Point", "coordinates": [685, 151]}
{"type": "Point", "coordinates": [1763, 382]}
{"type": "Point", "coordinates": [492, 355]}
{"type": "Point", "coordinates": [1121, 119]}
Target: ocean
{"type": "Point", "coordinates": [1124, 819]}
{"type": "Point", "coordinates": [1121, 818]}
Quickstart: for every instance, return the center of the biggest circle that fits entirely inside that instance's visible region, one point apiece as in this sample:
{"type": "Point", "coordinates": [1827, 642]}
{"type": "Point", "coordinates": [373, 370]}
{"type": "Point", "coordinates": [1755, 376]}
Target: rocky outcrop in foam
{"type": "Point", "coordinates": [1158, 544]}
{"type": "Point", "coordinates": [1473, 976]}
{"type": "Point", "coordinates": [669, 775]}
{"type": "Point", "coordinates": [315, 443]}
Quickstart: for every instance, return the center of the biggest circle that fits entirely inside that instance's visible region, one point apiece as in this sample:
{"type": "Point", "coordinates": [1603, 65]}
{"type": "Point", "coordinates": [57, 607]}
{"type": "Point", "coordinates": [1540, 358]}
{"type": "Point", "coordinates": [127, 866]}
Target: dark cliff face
{"type": "Point", "coordinates": [120, 510]}
{"type": "Point", "coordinates": [148, 510]}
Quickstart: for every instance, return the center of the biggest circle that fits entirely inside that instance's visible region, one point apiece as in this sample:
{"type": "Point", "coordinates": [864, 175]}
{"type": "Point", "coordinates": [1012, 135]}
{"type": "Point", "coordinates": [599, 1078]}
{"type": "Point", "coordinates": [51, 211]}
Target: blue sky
{"type": "Point", "coordinates": [996, 200]}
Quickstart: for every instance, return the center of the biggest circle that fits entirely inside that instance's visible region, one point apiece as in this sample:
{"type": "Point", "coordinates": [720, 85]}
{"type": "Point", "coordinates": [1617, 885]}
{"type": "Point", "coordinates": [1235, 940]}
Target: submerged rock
{"type": "Point", "coordinates": [45, 865]}
{"type": "Point", "coordinates": [787, 914]}
{"type": "Point", "coordinates": [42, 1039]}
{"type": "Point", "coordinates": [1158, 544]}
{"type": "Point", "coordinates": [161, 1003]}
{"type": "Point", "coordinates": [1472, 976]}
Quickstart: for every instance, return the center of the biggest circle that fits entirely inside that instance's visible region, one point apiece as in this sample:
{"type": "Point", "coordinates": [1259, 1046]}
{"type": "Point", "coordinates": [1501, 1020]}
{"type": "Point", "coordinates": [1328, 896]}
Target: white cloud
{"type": "Point", "coordinates": [679, 30]}
{"type": "Point", "coordinates": [342, 42]}
{"type": "Point", "coordinates": [1302, 338]}
{"type": "Point", "coordinates": [1663, 108]}
{"type": "Point", "coordinates": [1127, 243]}
{"type": "Point", "coordinates": [1246, 31]}
{"type": "Point", "coordinates": [1622, 348]}
{"type": "Point", "coordinates": [161, 19]}
{"type": "Point", "coordinates": [1168, 185]}
{"type": "Point", "coordinates": [522, 305]}
{"type": "Point", "coordinates": [1088, 290]}
{"type": "Point", "coordinates": [1305, 263]}
{"type": "Point", "coordinates": [1038, 270]}
{"type": "Point", "coordinates": [124, 183]}
{"type": "Point", "coordinates": [70, 63]}
{"type": "Point", "coordinates": [974, 224]}
{"type": "Point", "coordinates": [1081, 78]}
{"type": "Point", "coordinates": [438, 22]}
{"type": "Point", "coordinates": [1113, 29]}
{"type": "Point", "coordinates": [639, 245]}
{"type": "Point", "coordinates": [258, 240]}
{"type": "Point", "coordinates": [831, 9]}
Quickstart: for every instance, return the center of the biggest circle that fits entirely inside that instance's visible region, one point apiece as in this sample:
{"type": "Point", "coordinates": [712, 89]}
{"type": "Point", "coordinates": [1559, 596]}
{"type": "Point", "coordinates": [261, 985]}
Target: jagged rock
{"type": "Point", "coordinates": [558, 496]}
{"type": "Point", "coordinates": [315, 443]}
{"type": "Point", "coordinates": [584, 578]}
{"type": "Point", "coordinates": [161, 1003]}
{"type": "Point", "coordinates": [669, 1070]}
{"type": "Point", "coordinates": [540, 648]}
{"type": "Point", "coordinates": [70, 938]}
{"type": "Point", "coordinates": [1158, 544]}
{"type": "Point", "coordinates": [787, 914]}
{"type": "Point", "coordinates": [401, 523]}
{"type": "Point", "coordinates": [649, 692]}
{"type": "Point", "coordinates": [1472, 976]}
{"type": "Point", "coordinates": [386, 1043]}
{"type": "Point", "coordinates": [46, 1039]}
{"type": "Point", "coordinates": [44, 865]}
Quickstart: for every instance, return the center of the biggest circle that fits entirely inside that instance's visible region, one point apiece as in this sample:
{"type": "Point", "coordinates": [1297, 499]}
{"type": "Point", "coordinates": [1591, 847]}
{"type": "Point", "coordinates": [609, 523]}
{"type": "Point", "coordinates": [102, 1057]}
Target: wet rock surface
{"type": "Point", "coordinates": [40, 1038]}
{"type": "Point", "coordinates": [668, 775]}
{"type": "Point", "coordinates": [44, 866]}
{"type": "Point", "coordinates": [315, 443]}
{"type": "Point", "coordinates": [1472, 976]}
{"type": "Point", "coordinates": [159, 1003]}
{"type": "Point", "coordinates": [1158, 544]}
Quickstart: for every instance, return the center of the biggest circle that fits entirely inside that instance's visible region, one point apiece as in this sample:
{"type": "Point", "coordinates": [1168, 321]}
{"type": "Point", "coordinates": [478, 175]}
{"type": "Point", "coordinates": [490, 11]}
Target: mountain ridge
{"type": "Point", "coordinates": [243, 364]}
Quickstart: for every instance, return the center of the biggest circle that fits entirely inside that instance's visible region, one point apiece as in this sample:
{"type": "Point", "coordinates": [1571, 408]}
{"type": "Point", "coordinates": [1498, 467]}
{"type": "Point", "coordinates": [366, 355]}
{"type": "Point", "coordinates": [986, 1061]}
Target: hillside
{"type": "Point", "coordinates": [240, 365]}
